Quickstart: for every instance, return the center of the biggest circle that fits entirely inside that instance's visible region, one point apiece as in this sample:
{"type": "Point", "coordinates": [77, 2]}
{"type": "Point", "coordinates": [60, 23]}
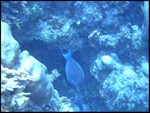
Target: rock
{"type": "Point", "coordinates": [31, 65]}
{"type": "Point", "coordinates": [103, 65]}
{"type": "Point", "coordinates": [30, 76]}
{"type": "Point", "coordinates": [10, 47]}
{"type": "Point", "coordinates": [15, 11]}
{"type": "Point", "coordinates": [61, 103]}
{"type": "Point", "coordinates": [144, 66]}
{"type": "Point", "coordinates": [125, 89]}
{"type": "Point", "coordinates": [107, 59]}
{"type": "Point", "coordinates": [40, 86]}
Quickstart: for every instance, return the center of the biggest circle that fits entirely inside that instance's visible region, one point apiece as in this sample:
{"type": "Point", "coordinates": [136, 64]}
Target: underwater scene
{"type": "Point", "coordinates": [74, 56]}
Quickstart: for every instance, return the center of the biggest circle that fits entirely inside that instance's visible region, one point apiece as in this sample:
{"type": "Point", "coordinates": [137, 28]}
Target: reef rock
{"type": "Point", "coordinates": [30, 64]}
{"type": "Point", "coordinates": [10, 47]}
{"type": "Point", "coordinates": [103, 65]}
{"type": "Point", "coordinates": [126, 90]}
{"type": "Point", "coordinates": [39, 86]}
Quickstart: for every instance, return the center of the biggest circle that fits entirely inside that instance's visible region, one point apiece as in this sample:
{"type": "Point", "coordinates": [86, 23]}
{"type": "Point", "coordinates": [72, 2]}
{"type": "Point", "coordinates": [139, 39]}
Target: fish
{"type": "Point", "coordinates": [75, 75]}
{"type": "Point", "coordinates": [74, 72]}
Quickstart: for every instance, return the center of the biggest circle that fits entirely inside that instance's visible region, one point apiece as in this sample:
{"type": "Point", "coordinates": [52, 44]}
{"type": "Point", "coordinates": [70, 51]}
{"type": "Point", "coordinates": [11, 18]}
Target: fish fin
{"type": "Point", "coordinates": [68, 55]}
{"type": "Point", "coordinates": [79, 103]}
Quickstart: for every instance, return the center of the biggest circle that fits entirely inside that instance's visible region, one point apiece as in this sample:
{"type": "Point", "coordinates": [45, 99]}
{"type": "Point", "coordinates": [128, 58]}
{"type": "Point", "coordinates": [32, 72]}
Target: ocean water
{"type": "Point", "coordinates": [108, 39]}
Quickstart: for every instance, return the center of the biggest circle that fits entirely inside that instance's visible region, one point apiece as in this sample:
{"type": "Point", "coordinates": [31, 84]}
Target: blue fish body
{"type": "Point", "coordinates": [74, 75]}
{"type": "Point", "coordinates": [74, 72]}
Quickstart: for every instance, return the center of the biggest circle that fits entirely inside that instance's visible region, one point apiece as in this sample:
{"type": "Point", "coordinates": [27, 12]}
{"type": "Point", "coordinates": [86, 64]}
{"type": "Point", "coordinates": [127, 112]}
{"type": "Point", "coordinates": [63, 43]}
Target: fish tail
{"type": "Point", "coordinates": [68, 55]}
{"type": "Point", "coordinates": [80, 105]}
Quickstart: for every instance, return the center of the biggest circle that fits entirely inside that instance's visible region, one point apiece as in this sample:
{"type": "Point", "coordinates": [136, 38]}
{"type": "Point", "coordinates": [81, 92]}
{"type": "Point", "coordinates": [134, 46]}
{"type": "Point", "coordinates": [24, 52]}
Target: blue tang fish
{"type": "Point", "coordinates": [74, 72]}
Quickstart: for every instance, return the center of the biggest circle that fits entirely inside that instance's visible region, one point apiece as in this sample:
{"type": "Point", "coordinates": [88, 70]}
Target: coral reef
{"type": "Point", "coordinates": [13, 83]}
{"type": "Point", "coordinates": [103, 65]}
{"type": "Point", "coordinates": [10, 51]}
{"type": "Point", "coordinates": [110, 46]}
{"type": "Point", "coordinates": [27, 83]}
{"type": "Point", "coordinates": [125, 89]}
{"type": "Point", "coordinates": [132, 35]}
{"type": "Point", "coordinates": [38, 72]}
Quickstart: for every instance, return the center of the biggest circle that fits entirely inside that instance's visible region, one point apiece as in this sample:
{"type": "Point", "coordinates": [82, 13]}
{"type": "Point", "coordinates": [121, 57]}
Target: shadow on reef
{"type": "Point", "coordinates": [47, 54]}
